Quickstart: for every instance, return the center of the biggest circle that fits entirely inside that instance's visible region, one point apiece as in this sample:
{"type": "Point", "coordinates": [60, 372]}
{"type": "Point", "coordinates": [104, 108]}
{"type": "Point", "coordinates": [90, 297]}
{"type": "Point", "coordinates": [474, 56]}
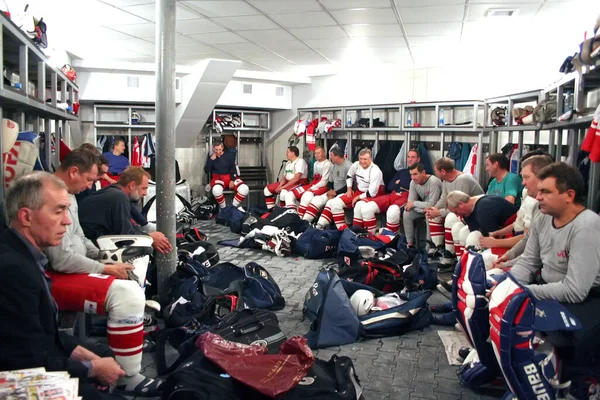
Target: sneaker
{"type": "Point", "coordinates": [463, 352]}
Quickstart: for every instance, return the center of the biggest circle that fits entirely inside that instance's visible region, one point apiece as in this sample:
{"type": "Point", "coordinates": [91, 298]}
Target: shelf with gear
{"type": "Point", "coordinates": [241, 130]}
{"type": "Point", "coordinates": [35, 98]}
{"type": "Point", "coordinates": [134, 124]}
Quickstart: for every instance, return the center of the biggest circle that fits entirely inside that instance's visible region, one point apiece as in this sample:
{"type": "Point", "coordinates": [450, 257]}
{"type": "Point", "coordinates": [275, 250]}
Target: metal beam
{"type": "Point", "coordinates": [165, 135]}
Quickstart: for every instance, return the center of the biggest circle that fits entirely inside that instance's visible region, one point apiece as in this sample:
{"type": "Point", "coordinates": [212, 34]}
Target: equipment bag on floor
{"type": "Point", "coordinates": [351, 244]}
{"type": "Point", "coordinates": [204, 252]}
{"type": "Point", "coordinates": [333, 320]}
{"type": "Point", "coordinates": [283, 218]}
{"type": "Point", "coordinates": [317, 243]}
{"type": "Point", "coordinates": [232, 217]}
{"type": "Point", "coordinates": [252, 326]}
{"type": "Point", "coordinates": [335, 379]}
{"type": "Point", "coordinates": [253, 284]}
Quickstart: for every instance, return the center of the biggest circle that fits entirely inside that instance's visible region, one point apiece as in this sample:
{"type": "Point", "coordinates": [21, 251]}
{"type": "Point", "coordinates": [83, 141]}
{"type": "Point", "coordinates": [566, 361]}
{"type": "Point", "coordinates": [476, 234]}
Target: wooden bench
{"type": "Point", "coordinates": [255, 178]}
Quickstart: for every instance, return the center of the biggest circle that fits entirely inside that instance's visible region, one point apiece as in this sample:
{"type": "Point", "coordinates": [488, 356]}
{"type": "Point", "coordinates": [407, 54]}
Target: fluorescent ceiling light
{"type": "Point", "coordinates": [501, 12]}
{"type": "Point", "coordinates": [358, 9]}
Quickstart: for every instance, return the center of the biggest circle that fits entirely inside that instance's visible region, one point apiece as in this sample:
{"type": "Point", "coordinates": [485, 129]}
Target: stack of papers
{"type": "Point", "coordinates": [37, 384]}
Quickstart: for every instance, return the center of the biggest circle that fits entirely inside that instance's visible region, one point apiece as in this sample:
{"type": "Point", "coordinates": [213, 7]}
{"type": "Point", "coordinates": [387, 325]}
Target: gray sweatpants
{"type": "Point", "coordinates": [415, 222]}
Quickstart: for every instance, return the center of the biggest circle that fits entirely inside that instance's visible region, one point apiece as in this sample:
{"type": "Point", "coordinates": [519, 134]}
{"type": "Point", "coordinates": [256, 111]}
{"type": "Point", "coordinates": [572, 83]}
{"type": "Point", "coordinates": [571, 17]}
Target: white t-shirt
{"type": "Point", "coordinates": [294, 167]}
{"type": "Point", "coordinates": [368, 180]}
{"type": "Point", "coordinates": [323, 170]}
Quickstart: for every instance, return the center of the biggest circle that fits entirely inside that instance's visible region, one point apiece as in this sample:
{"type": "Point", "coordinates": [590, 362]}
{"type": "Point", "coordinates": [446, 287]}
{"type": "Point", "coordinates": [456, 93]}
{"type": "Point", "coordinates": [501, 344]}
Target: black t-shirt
{"type": "Point", "coordinates": [490, 214]}
{"type": "Point", "coordinates": [107, 212]}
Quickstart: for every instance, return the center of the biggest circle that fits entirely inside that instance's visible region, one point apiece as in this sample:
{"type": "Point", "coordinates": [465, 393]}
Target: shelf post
{"type": "Point", "coordinates": [520, 144]}
{"type": "Point", "coordinates": [593, 187]}
{"type": "Point", "coordinates": [48, 144]}
{"type": "Point", "coordinates": [551, 144]}
{"type": "Point", "coordinates": [165, 12]}
{"type": "Point", "coordinates": [480, 160]}
{"type": "Point", "coordinates": [23, 67]}
{"type": "Point", "coordinates": [41, 84]}
{"type": "Point", "coordinates": [63, 92]}
{"type": "Point", "coordinates": [57, 137]}
{"type": "Point", "coordinates": [572, 142]}
{"type": "Point", "coordinates": [559, 145]}
{"type": "Point", "coordinates": [53, 87]}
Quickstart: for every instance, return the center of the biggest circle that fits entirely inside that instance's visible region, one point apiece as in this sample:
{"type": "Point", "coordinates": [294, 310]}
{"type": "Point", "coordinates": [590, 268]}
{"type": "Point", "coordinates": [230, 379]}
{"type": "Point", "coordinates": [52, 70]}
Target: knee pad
{"type": "Point", "coordinates": [336, 205]}
{"type": "Point", "coordinates": [319, 201]}
{"type": "Point", "coordinates": [306, 198]}
{"type": "Point", "coordinates": [267, 192]}
{"type": "Point", "coordinates": [369, 210]}
{"type": "Point", "coordinates": [450, 220]}
{"type": "Point", "coordinates": [473, 240]}
{"type": "Point", "coordinates": [393, 214]}
{"type": "Point", "coordinates": [358, 209]}
{"type": "Point", "coordinates": [462, 236]}
{"type": "Point", "coordinates": [456, 228]}
{"type": "Point", "coordinates": [289, 198]}
{"type": "Point", "coordinates": [126, 298]}
{"type": "Point", "coordinates": [217, 190]}
{"type": "Point", "coordinates": [243, 189]}
{"type": "Point", "coordinates": [132, 249]}
{"type": "Point", "coordinates": [283, 194]}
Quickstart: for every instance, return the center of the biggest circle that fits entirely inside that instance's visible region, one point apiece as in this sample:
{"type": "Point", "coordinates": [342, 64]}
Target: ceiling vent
{"type": "Point", "coordinates": [133, 81]}
{"type": "Point", "coordinates": [247, 88]}
{"type": "Point", "coordinates": [501, 12]}
{"type": "Point", "coordinates": [279, 90]}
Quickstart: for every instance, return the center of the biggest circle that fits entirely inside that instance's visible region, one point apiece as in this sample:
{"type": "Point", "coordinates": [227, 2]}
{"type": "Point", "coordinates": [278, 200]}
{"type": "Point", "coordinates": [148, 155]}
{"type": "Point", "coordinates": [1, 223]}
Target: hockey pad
{"type": "Point", "coordinates": [130, 249]}
{"type": "Point", "coordinates": [21, 158]}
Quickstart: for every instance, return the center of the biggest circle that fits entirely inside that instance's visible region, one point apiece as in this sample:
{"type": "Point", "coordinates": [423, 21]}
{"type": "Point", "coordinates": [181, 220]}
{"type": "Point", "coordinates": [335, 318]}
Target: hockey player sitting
{"type": "Point", "coordinates": [294, 175]}
{"type": "Point", "coordinates": [504, 183]}
{"type": "Point", "coordinates": [318, 186]}
{"type": "Point", "coordinates": [224, 175]}
{"type": "Point", "coordinates": [365, 210]}
{"type": "Point", "coordinates": [336, 186]}
{"type": "Point", "coordinates": [364, 180]}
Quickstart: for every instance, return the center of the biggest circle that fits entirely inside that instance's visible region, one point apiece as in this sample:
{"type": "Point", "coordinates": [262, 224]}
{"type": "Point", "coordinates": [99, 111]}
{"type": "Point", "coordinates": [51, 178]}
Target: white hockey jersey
{"type": "Point", "coordinates": [368, 180]}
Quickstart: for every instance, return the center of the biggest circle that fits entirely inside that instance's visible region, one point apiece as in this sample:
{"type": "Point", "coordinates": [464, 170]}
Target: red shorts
{"type": "Point", "coordinates": [384, 202]}
{"type": "Point", "coordinates": [224, 180]}
{"type": "Point", "coordinates": [300, 190]}
{"type": "Point", "coordinates": [271, 187]}
{"type": "Point", "coordinates": [80, 292]}
{"type": "Point", "coordinates": [511, 220]}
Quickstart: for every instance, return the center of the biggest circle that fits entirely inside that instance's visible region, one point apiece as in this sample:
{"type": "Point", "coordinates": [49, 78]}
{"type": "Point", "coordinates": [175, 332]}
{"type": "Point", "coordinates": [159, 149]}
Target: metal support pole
{"type": "Point", "coordinates": [572, 139]}
{"type": "Point", "coordinates": [57, 137]}
{"type": "Point", "coordinates": [551, 144]}
{"type": "Point", "coordinates": [48, 145]}
{"type": "Point", "coordinates": [594, 186]}
{"type": "Point", "coordinates": [520, 144]}
{"type": "Point", "coordinates": [24, 67]}
{"type": "Point", "coordinates": [239, 142]}
{"type": "Point", "coordinates": [559, 145]}
{"type": "Point", "coordinates": [165, 135]}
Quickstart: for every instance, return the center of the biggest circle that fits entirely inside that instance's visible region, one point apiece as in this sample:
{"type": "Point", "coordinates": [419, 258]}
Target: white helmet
{"type": "Point", "coordinates": [10, 132]}
{"type": "Point", "coordinates": [362, 301]}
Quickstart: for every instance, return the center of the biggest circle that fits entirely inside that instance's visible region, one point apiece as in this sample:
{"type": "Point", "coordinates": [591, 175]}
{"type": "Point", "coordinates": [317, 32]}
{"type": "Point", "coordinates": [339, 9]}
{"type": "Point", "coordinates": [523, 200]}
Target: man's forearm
{"type": "Point", "coordinates": [82, 354]}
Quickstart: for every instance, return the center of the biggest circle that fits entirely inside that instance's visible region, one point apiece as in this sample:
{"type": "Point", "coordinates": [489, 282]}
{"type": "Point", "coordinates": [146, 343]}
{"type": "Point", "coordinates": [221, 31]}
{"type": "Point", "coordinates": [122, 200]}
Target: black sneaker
{"type": "Point", "coordinates": [463, 352]}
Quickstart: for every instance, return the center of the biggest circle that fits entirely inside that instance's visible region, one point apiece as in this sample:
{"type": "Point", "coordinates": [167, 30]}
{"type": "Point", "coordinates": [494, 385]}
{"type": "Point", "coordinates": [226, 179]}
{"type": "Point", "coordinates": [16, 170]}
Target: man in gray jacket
{"type": "Point", "coordinates": [425, 191]}
{"type": "Point", "coordinates": [562, 257]}
{"type": "Point", "coordinates": [80, 283]}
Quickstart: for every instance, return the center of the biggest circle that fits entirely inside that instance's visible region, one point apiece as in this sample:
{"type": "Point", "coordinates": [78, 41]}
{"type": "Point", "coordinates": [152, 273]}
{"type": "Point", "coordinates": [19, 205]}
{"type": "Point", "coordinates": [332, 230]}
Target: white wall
{"type": "Point", "coordinates": [263, 95]}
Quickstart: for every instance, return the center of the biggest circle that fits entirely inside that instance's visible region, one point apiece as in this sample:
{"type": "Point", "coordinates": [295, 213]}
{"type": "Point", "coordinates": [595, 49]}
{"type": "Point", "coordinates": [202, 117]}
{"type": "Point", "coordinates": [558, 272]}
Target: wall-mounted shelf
{"type": "Point", "coordinates": [246, 120]}
{"type": "Point", "coordinates": [34, 90]}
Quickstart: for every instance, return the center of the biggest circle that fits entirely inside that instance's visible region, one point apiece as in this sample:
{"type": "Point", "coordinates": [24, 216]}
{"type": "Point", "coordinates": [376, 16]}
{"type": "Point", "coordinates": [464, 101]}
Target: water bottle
{"type": "Point", "coordinates": [408, 118]}
{"type": "Point", "coordinates": [441, 117]}
{"type": "Point", "coordinates": [349, 123]}
{"type": "Point", "coordinates": [568, 102]}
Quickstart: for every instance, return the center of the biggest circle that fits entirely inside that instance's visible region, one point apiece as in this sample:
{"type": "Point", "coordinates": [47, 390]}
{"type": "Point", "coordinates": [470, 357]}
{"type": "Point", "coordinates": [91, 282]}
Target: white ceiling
{"type": "Point", "coordinates": [303, 36]}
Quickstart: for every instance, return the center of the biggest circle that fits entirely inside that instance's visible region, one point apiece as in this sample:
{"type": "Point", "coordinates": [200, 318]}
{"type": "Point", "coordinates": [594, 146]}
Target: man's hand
{"type": "Point", "coordinates": [106, 370]}
{"type": "Point", "coordinates": [409, 206]}
{"type": "Point", "coordinates": [161, 243]}
{"type": "Point", "coordinates": [355, 200]}
{"type": "Point", "coordinates": [433, 212]}
{"type": "Point", "coordinates": [496, 235]}
{"type": "Point", "coordinates": [118, 270]}
{"type": "Point", "coordinates": [82, 354]}
{"type": "Point", "coordinates": [488, 242]}
{"type": "Point", "coordinates": [213, 157]}
{"type": "Point", "coordinates": [278, 189]}
{"type": "Point", "coordinates": [499, 262]}
{"type": "Point", "coordinates": [331, 194]}
{"type": "Point", "coordinates": [109, 179]}
{"type": "Point", "coordinates": [350, 192]}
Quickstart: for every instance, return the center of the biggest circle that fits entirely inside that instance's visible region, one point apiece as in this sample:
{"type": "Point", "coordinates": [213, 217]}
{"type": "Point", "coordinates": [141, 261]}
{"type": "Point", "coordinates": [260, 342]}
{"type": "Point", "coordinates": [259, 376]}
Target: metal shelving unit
{"type": "Point", "coordinates": [115, 120]}
{"type": "Point", "coordinates": [39, 81]}
{"type": "Point", "coordinates": [254, 126]}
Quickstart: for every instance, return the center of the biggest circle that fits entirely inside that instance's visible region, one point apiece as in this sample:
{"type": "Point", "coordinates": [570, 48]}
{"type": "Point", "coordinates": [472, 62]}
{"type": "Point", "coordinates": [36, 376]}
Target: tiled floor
{"type": "Point", "coordinates": [413, 366]}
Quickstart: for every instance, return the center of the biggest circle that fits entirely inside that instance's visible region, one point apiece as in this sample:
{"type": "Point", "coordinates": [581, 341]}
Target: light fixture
{"type": "Point", "coordinates": [501, 12]}
{"type": "Point", "coordinates": [358, 9]}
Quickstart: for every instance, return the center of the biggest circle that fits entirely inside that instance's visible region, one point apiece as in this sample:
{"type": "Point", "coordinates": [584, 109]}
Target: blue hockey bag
{"type": "Point", "coordinates": [317, 243]}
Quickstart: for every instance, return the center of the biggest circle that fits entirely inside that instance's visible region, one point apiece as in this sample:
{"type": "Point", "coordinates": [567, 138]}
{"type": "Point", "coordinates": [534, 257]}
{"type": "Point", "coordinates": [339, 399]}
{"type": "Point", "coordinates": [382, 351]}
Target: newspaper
{"type": "Point", "coordinates": [37, 384]}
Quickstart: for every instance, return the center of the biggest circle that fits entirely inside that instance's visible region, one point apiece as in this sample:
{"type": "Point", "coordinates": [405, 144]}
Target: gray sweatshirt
{"type": "Point", "coordinates": [338, 176]}
{"type": "Point", "coordinates": [75, 253]}
{"type": "Point", "coordinates": [568, 257]}
{"type": "Point", "coordinates": [425, 195]}
{"type": "Point", "coordinates": [465, 183]}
